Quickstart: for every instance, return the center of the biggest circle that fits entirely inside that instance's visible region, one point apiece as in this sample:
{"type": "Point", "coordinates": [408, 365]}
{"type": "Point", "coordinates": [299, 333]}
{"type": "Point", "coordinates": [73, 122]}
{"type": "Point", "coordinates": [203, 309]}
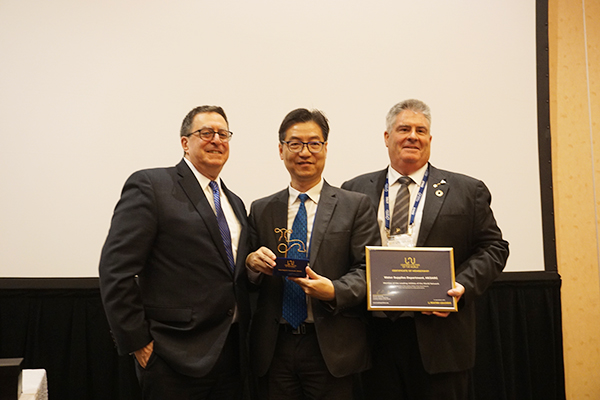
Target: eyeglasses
{"type": "Point", "coordinates": [296, 146]}
{"type": "Point", "coordinates": [208, 134]}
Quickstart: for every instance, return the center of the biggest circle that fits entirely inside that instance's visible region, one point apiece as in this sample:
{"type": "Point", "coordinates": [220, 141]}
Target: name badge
{"type": "Point", "coordinates": [403, 240]}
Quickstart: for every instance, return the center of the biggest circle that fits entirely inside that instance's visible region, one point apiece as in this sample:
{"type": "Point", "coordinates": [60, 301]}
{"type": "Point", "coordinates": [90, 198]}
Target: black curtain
{"type": "Point", "coordinates": [519, 341]}
{"type": "Point", "coordinates": [65, 332]}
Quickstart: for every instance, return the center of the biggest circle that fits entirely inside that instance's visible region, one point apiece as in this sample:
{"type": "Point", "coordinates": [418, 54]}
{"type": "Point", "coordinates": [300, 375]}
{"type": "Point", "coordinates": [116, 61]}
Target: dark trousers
{"type": "Point", "coordinates": [298, 371]}
{"type": "Point", "coordinates": [398, 372]}
{"type": "Point", "coordinates": [224, 382]}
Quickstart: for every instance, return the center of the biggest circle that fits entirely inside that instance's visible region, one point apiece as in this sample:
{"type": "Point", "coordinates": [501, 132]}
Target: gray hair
{"type": "Point", "coordinates": [410, 105]}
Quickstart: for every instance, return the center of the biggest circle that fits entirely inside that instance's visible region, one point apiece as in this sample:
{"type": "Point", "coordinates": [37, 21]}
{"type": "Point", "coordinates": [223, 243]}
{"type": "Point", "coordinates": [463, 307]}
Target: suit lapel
{"type": "Point", "coordinates": [433, 203]}
{"type": "Point", "coordinates": [240, 213]}
{"type": "Point", "coordinates": [238, 207]}
{"type": "Point", "coordinates": [325, 209]}
{"type": "Point", "coordinates": [376, 184]}
{"type": "Point", "coordinates": [195, 194]}
{"type": "Point", "coordinates": [277, 218]}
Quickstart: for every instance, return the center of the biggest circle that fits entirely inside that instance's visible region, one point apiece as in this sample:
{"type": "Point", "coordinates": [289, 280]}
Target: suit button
{"type": "Point", "coordinates": [230, 312]}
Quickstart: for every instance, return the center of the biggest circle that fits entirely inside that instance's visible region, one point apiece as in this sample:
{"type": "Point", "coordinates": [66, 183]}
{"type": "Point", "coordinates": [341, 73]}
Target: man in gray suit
{"type": "Point", "coordinates": [428, 355]}
{"type": "Point", "coordinates": [172, 272]}
{"type": "Point", "coordinates": [312, 354]}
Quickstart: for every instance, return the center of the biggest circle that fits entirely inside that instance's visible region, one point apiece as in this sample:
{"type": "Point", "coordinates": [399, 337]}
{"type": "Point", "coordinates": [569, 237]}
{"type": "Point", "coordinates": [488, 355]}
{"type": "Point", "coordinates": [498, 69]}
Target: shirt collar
{"type": "Point", "coordinates": [416, 176]}
{"type": "Point", "coordinates": [202, 180]}
{"type": "Point", "coordinates": [313, 193]}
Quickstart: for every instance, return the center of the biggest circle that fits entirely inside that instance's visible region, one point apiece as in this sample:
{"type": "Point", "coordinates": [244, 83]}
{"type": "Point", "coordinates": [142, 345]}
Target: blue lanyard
{"type": "Point", "coordinates": [413, 212]}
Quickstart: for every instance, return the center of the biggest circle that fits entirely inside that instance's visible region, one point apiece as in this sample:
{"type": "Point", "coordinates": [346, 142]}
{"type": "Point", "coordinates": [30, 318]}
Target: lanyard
{"type": "Point", "coordinates": [413, 212]}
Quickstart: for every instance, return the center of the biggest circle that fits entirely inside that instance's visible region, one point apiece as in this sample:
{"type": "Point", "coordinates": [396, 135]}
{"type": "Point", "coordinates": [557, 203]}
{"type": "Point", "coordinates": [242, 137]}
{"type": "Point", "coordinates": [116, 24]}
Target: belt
{"type": "Point", "coordinates": [302, 329]}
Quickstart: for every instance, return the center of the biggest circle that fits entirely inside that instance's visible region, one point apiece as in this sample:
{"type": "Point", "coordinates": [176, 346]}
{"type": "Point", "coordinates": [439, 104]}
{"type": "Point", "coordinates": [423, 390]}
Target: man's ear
{"type": "Point", "coordinates": [184, 143]}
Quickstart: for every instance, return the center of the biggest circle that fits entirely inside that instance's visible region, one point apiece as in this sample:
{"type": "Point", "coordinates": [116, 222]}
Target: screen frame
{"type": "Point", "coordinates": [545, 174]}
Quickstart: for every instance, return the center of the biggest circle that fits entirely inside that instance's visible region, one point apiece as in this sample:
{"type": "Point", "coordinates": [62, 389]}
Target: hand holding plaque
{"type": "Point", "coordinates": [290, 266]}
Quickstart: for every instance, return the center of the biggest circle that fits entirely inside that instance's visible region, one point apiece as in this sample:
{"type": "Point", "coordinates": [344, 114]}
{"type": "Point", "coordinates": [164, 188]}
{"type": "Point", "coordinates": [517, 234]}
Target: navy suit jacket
{"type": "Point", "coordinates": [344, 224]}
{"type": "Point", "coordinates": [164, 273]}
{"type": "Point", "coordinates": [460, 217]}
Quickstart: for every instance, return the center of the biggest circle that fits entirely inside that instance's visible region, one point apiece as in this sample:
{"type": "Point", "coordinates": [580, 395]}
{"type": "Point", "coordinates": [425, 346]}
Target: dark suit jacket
{"type": "Point", "coordinates": [164, 232]}
{"type": "Point", "coordinates": [344, 224]}
{"type": "Point", "coordinates": [460, 218]}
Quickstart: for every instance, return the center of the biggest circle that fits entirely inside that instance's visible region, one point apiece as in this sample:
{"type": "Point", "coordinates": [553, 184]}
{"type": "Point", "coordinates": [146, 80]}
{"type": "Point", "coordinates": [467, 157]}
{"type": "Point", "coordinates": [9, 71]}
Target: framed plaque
{"type": "Point", "coordinates": [410, 278]}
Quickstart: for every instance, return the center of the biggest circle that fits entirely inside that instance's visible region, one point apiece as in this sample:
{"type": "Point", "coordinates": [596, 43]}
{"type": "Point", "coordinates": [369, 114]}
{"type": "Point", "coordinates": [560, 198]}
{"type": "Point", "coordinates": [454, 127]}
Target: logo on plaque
{"type": "Point", "coordinates": [410, 262]}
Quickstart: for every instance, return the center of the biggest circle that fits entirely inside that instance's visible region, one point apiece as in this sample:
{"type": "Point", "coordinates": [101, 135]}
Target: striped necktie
{"type": "Point", "coordinates": [223, 227]}
{"type": "Point", "coordinates": [399, 223]}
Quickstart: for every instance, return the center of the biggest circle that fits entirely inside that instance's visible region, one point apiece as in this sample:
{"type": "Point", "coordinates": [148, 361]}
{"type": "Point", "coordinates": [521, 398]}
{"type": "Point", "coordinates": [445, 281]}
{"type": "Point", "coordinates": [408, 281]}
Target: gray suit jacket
{"type": "Point", "coordinates": [165, 233]}
{"type": "Point", "coordinates": [461, 218]}
{"type": "Point", "coordinates": [344, 224]}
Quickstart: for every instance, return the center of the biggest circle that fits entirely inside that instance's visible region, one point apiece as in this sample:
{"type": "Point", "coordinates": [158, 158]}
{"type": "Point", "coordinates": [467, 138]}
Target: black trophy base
{"type": "Point", "coordinates": [290, 267]}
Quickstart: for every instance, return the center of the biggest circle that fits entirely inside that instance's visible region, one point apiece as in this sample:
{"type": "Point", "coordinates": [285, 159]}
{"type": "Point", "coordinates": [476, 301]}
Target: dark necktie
{"type": "Point", "coordinates": [294, 300]}
{"type": "Point", "coordinates": [399, 224]}
{"type": "Point", "coordinates": [223, 227]}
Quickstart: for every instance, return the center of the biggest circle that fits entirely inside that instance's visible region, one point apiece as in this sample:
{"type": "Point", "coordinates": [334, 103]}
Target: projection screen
{"type": "Point", "coordinates": [92, 91]}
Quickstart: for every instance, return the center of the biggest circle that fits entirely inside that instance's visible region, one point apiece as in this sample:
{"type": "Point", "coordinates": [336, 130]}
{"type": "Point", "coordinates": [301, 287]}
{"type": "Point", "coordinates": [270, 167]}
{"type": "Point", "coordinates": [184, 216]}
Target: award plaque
{"type": "Point", "coordinates": [410, 278]}
{"type": "Point", "coordinates": [285, 266]}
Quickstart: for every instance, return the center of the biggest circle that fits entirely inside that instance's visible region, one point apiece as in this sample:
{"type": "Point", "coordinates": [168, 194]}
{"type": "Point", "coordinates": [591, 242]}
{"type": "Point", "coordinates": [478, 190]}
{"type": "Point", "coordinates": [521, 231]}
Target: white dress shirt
{"type": "Point", "coordinates": [235, 228]}
{"type": "Point", "coordinates": [413, 188]}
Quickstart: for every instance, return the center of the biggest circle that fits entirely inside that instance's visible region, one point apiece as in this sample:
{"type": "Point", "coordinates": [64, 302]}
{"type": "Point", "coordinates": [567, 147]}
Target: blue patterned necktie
{"type": "Point", "coordinates": [294, 299]}
{"type": "Point", "coordinates": [223, 227]}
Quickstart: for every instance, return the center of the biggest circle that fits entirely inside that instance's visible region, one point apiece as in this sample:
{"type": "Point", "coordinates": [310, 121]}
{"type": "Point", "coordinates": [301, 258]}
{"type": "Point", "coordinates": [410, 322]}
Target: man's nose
{"type": "Point", "coordinates": [304, 151]}
{"type": "Point", "coordinates": [216, 138]}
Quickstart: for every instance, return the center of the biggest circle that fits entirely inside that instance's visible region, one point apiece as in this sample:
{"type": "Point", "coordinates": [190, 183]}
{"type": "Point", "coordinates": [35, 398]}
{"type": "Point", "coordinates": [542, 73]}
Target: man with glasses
{"type": "Point", "coordinates": [428, 355]}
{"type": "Point", "coordinates": [308, 335]}
{"type": "Point", "coordinates": [172, 272]}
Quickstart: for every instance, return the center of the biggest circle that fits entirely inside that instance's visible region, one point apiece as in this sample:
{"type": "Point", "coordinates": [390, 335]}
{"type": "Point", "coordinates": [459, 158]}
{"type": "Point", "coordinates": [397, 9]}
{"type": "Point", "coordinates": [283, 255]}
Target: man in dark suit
{"type": "Point", "coordinates": [172, 274]}
{"type": "Point", "coordinates": [312, 355]}
{"type": "Point", "coordinates": [428, 355]}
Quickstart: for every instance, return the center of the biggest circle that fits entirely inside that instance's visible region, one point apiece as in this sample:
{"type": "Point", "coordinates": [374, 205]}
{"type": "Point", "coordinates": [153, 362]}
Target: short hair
{"type": "Point", "coordinates": [189, 118]}
{"type": "Point", "coordinates": [303, 115]}
{"type": "Point", "coordinates": [410, 105]}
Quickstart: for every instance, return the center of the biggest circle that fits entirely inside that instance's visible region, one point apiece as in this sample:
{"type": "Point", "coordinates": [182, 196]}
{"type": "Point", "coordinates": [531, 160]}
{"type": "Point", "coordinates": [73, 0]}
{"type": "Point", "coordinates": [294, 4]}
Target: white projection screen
{"type": "Point", "coordinates": [91, 91]}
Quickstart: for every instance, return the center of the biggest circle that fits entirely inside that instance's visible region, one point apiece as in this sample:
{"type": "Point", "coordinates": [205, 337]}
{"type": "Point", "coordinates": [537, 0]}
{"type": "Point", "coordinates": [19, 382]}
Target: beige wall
{"type": "Point", "coordinates": [574, 92]}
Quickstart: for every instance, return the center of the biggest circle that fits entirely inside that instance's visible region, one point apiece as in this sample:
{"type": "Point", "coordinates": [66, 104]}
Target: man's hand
{"type": "Point", "coordinates": [262, 260]}
{"type": "Point", "coordinates": [457, 293]}
{"type": "Point", "coordinates": [142, 355]}
{"type": "Point", "coordinates": [316, 286]}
